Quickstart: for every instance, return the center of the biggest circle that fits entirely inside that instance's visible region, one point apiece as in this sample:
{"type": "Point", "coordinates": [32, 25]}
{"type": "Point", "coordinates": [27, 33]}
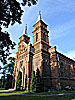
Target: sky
{"type": "Point", "coordinates": [59, 15]}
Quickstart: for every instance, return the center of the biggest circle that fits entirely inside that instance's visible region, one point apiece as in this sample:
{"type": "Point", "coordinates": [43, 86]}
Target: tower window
{"type": "Point", "coordinates": [25, 40]}
{"type": "Point", "coordinates": [37, 27]}
{"type": "Point", "coordinates": [44, 36]}
{"type": "Point", "coordinates": [17, 70]}
{"type": "Point", "coordinates": [36, 37]}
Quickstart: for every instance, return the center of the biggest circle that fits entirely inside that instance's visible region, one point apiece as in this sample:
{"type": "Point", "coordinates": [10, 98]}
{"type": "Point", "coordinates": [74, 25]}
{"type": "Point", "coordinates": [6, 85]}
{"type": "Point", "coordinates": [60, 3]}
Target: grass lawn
{"type": "Point", "coordinates": [15, 97]}
{"type": "Point", "coordinates": [21, 92]}
{"type": "Point", "coordinates": [6, 96]}
{"type": "Point", "coordinates": [2, 88]}
{"type": "Point", "coordinates": [56, 92]}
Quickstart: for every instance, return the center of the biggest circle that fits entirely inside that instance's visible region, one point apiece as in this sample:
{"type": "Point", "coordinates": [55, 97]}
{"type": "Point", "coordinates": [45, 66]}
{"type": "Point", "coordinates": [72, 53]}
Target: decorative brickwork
{"type": "Point", "coordinates": [56, 70]}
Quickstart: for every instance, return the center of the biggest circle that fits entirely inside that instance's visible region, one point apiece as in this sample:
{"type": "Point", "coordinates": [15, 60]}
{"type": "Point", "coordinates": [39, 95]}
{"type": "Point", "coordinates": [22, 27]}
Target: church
{"type": "Point", "coordinates": [56, 70]}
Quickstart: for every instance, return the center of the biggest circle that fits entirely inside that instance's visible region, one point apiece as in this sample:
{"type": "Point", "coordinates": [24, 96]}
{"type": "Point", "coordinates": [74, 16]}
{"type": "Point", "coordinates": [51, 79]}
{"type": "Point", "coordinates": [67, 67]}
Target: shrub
{"type": "Point", "coordinates": [18, 83]}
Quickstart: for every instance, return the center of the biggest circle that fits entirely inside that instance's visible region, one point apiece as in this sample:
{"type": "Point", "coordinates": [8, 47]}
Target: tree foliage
{"type": "Point", "coordinates": [10, 66]}
{"type": "Point", "coordinates": [8, 81]}
{"type": "Point", "coordinates": [38, 80]}
{"type": "Point", "coordinates": [3, 81]}
{"type": "Point", "coordinates": [29, 2]}
{"type": "Point", "coordinates": [10, 13]}
{"type": "Point", "coordinates": [18, 83]}
{"type": "Point", "coordinates": [32, 85]}
{"type": "Point", "coordinates": [5, 45]}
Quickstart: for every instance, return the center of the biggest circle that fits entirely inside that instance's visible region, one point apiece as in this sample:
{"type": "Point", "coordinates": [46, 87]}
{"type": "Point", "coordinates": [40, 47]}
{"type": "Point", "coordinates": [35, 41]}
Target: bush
{"type": "Point", "coordinates": [37, 84]}
{"type": "Point", "coordinates": [32, 85]}
{"type": "Point", "coordinates": [18, 83]}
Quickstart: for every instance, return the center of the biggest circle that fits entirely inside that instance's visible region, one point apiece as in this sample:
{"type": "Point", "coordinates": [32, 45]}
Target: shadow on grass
{"type": "Point", "coordinates": [17, 97]}
{"type": "Point", "coordinates": [43, 93]}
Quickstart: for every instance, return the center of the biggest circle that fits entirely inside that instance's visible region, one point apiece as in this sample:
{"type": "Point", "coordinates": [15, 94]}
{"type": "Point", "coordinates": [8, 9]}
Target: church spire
{"type": "Point", "coordinates": [39, 16]}
{"type": "Point", "coordinates": [25, 31]}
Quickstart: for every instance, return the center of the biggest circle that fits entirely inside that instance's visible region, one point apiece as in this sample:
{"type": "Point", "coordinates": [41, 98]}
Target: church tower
{"type": "Point", "coordinates": [23, 61]}
{"type": "Point", "coordinates": [55, 68]}
{"type": "Point", "coordinates": [41, 58]}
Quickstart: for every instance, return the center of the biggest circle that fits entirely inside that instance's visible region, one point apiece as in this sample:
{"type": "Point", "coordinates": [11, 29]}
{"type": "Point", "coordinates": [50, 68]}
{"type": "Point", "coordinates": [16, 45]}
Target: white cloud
{"type": "Point", "coordinates": [65, 6]}
{"type": "Point", "coordinates": [71, 54]}
{"type": "Point", "coordinates": [54, 7]}
{"type": "Point", "coordinates": [62, 30]}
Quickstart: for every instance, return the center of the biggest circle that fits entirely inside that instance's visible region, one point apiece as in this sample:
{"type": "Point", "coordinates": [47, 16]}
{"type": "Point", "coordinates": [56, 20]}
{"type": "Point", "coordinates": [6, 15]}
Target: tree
{"type": "Point", "coordinates": [32, 85]}
{"type": "Point", "coordinates": [7, 81]}
{"type": "Point", "coordinates": [29, 2]}
{"type": "Point", "coordinates": [10, 69]}
{"type": "Point", "coordinates": [18, 83]}
{"type": "Point", "coordinates": [10, 13]}
{"type": "Point", "coordinates": [3, 78]}
{"type": "Point", "coordinates": [38, 80]}
{"type": "Point", "coordinates": [10, 66]}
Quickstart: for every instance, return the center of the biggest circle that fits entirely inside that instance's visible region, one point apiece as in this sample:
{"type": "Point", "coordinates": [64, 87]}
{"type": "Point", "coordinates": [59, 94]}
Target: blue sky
{"type": "Point", "coordinates": [59, 15]}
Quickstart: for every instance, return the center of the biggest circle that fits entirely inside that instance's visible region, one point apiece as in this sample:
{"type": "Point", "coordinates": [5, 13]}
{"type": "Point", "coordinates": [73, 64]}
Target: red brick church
{"type": "Point", "coordinates": [56, 70]}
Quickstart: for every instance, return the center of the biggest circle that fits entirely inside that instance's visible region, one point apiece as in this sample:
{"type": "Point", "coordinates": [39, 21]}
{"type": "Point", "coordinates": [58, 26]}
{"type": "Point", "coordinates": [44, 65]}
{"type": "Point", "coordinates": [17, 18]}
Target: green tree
{"type": "Point", "coordinates": [3, 81]}
{"type": "Point", "coordinates": [3, 78]}
{"type": "Point", "coordinates": [7, 81]}
{"type": "Point", "coordinates": [18, 83]}
{"type": "Point", "coordinates": [10, 13]}
{"type": "Point", "coordinates": [10, 69]}
{"type": "Point", "coordinates": [10, 66]}
{"type": "Point", "coordinates": [38, 80]}
{"type": "Point", "coordinates": [32, 85]}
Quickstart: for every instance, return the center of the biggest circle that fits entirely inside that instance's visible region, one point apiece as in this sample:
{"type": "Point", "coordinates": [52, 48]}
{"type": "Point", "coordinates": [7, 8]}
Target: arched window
{"type": "Point", "coordinates": [44, 36]}
{"type": "Point", "coordinates": [36, 37]}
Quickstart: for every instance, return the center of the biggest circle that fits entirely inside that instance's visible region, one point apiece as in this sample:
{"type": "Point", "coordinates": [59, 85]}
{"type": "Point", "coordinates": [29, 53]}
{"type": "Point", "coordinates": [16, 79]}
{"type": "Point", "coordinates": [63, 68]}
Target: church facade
{"type": "Point", "coordinates": [56, 70]}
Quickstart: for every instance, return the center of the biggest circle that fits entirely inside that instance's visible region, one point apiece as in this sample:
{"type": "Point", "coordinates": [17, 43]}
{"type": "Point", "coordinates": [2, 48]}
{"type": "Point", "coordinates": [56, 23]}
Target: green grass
{"type": "Point", "coordinates": [15, 97]}
{"type": "Point", "coordinates": [56, 92]}
{"type": "Point", "coordinates": [2, 88]}
{"type": "Point", "coordinates": [4, 94]}
{"type": "Point", "coordinates": [21, 92]}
